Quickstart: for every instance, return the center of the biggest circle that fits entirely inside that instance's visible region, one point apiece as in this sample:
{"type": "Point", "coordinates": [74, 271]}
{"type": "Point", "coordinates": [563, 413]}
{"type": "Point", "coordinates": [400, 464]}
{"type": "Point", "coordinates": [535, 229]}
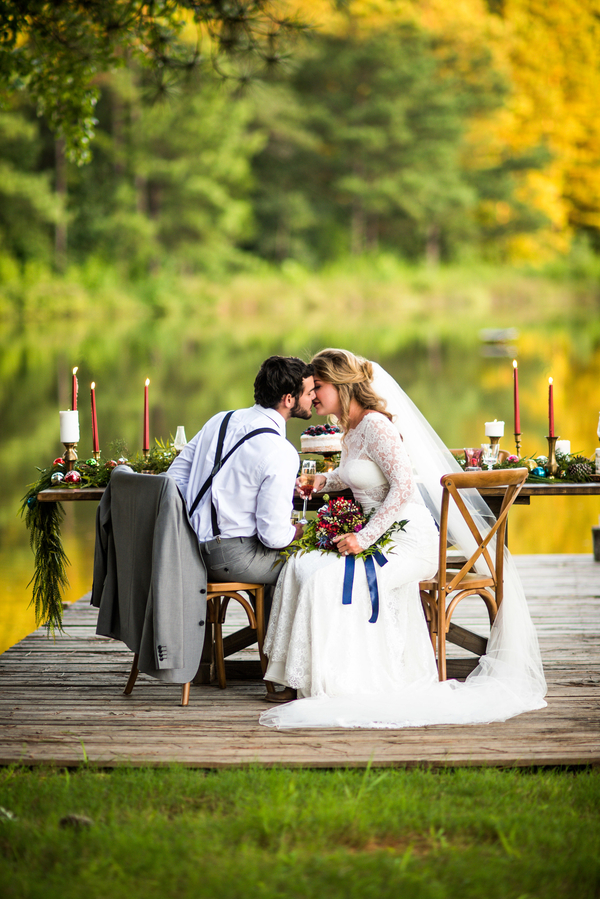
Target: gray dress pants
{"type": "Point", "coordinates": [243, 559]}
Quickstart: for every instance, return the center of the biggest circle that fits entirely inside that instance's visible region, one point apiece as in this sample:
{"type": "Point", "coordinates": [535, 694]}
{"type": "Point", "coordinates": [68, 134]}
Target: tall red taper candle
{"type": "Point", "coordinates": [146, 442]}
{"type": "Point", "coordinates": [95, 446]}
{"type": "Point", "coordinates": [550, 408]}
{"type": "Point", "coordinates": [74, 390]}
{"type": "Point", "coordinates": [516, 397]}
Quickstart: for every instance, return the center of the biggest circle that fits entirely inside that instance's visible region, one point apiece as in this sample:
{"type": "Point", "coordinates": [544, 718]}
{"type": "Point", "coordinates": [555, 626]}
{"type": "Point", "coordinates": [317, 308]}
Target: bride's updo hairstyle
{"type": "Point", "coordinates": [351, 376]}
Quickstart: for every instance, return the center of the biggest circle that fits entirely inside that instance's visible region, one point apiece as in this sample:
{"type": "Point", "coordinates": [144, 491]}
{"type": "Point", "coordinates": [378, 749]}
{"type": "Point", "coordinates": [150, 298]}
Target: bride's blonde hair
{"type": "Point", "coordinates": [351, 376]}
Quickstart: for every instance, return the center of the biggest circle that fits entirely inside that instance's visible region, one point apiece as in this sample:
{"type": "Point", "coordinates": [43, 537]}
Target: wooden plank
{"type": "Point", "coordinates": [71, 494]}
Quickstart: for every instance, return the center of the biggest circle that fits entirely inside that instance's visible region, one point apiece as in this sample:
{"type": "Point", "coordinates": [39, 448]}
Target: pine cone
{"type": "Point", "coordinates": [579, 469]}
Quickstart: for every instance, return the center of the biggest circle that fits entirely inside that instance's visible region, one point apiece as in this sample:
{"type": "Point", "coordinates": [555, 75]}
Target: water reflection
{"type": "Point", "coordinates": [196, 370]}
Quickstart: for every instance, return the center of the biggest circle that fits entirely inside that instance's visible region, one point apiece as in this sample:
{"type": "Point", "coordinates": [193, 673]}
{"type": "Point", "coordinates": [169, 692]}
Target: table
{"type": "Point", "coordinates": [78, 494]}
{"type": "Point", "coordinates": [493, 496]}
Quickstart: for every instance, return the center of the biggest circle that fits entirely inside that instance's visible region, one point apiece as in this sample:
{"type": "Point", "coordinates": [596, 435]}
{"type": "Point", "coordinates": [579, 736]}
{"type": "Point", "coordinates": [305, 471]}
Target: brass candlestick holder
{"type": "Point", "coordinates": [70, 455]}
{"type": "Point", "coordinates": [495, 441]}
{"type": "Point", "coordinates": [552, 464]}
{"type": "Point", "coordinates": [96, 455]}
{"type": "Point", "coordinates": [518, 444]}
{"type": "Point", "coordinates": [145, 453]}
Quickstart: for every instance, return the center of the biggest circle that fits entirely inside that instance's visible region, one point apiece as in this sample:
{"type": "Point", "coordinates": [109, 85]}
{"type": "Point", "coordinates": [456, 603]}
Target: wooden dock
{"type": "Point", "coordinates": [61, 702]}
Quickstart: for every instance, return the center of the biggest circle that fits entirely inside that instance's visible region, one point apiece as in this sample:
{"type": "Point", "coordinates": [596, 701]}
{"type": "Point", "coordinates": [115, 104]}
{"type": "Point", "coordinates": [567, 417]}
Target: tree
{"type": "Point", "coordinates": [169, 181]}
{"type": "Point", "coordinates": [29, 208]}
{"type": "Point", "coordinates": [368, 148]}
{"type": "Point", "coordinates": [56, 50]}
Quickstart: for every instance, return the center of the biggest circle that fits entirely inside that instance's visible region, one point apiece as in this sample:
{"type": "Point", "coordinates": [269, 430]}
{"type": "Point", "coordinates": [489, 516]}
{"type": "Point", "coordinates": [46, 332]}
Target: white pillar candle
{"type": "Point", "coordinates": [563, 446]}
{"type": "Point", "coordinates": [494, 428]}
{"type": "Point", "coordinates": [69, 427]}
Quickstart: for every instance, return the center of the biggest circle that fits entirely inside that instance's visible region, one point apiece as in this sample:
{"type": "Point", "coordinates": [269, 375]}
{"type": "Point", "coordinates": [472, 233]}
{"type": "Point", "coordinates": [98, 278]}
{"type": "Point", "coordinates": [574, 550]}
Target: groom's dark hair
{"type": "Point", "coordinates": [278, 376]}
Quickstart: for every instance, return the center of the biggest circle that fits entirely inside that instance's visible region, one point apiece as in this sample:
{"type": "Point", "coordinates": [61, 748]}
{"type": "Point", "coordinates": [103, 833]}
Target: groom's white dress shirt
{"type": "Point", "coordinates": [253, 492]}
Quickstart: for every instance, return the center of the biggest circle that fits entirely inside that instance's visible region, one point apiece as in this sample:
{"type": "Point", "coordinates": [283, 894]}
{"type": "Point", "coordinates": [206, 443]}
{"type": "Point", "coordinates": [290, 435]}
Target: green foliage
{"type": "Point", "coordinates": [366, 150]}
{"type": "Point", "coordinates": [28, 204]}
{"type": "Point", "coordinates": [169, 180]}
{"type": "Point", "coordinates": [571, 468]}
{"type": "Point", "coordinates": [279, 833]}
{"type": "Point", "coordinates": [57, 50]}
{"type": "Point", "coordinates": [50, 577]}
{"type": "Point", "coordinates": [360, 150]}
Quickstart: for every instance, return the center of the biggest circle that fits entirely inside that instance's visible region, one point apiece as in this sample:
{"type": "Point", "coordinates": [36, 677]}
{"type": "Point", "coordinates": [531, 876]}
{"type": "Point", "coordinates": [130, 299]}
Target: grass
{"type": "Point", "coordinates": [277, 833]}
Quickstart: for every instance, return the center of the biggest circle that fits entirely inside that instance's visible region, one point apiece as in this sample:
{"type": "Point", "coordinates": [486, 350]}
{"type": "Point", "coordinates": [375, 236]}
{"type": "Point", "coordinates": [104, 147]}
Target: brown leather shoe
{"type": "Point", "coordinates": [286, 695]}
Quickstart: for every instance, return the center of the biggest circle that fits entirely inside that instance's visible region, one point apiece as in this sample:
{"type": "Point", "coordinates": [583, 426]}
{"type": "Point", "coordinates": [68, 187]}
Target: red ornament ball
{"type": "Point", "coordinates": [72, 478]}
{"type": "Point", "coordinates": [111, 464]}
{"type": "Point", "coordinates": [59, 461]}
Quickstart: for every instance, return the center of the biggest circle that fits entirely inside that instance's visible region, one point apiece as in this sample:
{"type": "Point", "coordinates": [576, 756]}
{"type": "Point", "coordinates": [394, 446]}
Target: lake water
{"type": "Point", "coordinates": [195, 371]}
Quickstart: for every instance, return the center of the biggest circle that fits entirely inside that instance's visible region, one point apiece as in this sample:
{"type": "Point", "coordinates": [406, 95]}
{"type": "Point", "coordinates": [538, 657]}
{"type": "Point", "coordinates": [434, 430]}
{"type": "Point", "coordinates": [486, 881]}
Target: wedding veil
{"type": "Point", "coordinates": [509, 678]}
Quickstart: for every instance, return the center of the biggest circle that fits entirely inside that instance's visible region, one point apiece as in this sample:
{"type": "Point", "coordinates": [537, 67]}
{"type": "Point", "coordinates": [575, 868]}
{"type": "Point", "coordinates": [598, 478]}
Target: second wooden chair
{"type": "Point", "coordinates": [442, 593]}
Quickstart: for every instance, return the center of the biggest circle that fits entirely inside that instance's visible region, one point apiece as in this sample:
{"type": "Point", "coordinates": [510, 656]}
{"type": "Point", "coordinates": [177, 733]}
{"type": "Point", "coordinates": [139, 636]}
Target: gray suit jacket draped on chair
{"type": "Point", "coordinates": [149, 577]}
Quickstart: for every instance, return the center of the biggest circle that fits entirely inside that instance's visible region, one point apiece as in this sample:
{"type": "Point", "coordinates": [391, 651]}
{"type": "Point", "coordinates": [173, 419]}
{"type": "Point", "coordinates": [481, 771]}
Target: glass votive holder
{"type": "Point", "coordinates": [489, 454]}
{"type": "Point", "coordinates": [473, 456]}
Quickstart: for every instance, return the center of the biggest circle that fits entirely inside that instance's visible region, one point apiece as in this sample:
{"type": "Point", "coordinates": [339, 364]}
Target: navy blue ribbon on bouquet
{"type": "Point", "coordinates": [371, 573]}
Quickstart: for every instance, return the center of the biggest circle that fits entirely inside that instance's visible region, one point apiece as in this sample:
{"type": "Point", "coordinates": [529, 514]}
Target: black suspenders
{"type": "Point", "coordinates": [220, 462]}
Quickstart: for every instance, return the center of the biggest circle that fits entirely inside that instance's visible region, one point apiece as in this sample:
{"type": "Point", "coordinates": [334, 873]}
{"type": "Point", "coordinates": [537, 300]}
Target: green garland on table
{"type": "Point", "coordinates": [43, 520]}
{"type": "Point", "coordinates": [573, 468]}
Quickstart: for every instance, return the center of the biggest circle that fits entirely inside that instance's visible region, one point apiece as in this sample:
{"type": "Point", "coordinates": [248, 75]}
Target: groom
{"type": "Point", "coordinates": [241, 515]}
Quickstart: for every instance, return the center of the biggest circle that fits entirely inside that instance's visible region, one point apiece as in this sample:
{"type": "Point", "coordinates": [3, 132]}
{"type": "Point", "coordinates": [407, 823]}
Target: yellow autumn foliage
{"type": "Point", "coordinates": [549, 52]}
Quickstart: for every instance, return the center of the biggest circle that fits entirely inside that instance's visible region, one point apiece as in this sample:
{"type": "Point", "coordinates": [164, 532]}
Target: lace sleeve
{"type": "Point", "coordinates": [333, 482]}
{"type": "Point", "coordinates": [384, 446]}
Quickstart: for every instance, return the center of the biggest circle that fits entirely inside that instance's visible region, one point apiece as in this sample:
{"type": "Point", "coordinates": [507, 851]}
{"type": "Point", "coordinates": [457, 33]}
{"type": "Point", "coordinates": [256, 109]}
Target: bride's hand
{"type": "Point", "coordinates": [347, 544]}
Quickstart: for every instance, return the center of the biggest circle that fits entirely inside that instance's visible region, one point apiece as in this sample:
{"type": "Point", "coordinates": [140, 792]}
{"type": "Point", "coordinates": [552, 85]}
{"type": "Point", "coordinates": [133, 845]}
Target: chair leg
{"type": "Point", "coordinates": [219, 653]}
{"type": "Point", "coordinates": [441, 637]}
{"type": "Point", "coordinates": [428, 603]}
{"type": "Point", "coordinates": [132, 675]}
{"type": "Point", "coordinates": [185, 691]}
{"type": "Point", "coordinates": [259, 599]}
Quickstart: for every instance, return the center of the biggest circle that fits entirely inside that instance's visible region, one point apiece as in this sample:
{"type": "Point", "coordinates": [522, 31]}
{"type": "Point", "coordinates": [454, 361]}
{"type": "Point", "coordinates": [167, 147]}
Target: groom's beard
{"type": "Point", "coordinates": [298, 412]}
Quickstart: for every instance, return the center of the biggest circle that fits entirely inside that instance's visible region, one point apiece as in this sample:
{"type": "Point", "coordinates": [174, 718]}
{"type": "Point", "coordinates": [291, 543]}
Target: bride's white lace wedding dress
{"type": "Point", "coordinates": [321, 647]}
{"type": "Point", "coordinates": [350, 672]}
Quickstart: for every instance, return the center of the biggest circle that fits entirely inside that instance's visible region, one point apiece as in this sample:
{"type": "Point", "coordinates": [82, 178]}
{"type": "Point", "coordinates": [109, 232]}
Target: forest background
{"type": "Point", "coordinates": [436, 132]}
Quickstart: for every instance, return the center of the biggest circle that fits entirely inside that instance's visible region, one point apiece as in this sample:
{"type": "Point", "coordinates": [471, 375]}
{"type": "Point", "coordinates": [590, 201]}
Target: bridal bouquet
{"type": "Point", "coordinates": [338, 516]}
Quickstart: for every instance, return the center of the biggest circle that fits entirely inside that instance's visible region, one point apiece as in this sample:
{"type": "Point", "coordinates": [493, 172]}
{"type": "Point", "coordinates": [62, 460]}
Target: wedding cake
{"type": "Point", "coordinates": [321, 439]}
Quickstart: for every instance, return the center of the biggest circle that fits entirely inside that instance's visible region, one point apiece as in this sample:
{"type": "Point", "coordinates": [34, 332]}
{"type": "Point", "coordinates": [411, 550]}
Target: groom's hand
{"type": "Point", "coordinates": [299, 530]}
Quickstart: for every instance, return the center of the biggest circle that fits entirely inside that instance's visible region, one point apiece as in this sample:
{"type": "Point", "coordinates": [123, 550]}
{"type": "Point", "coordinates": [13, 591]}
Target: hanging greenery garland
{"type": "Point", "coordinates": [44, 519]}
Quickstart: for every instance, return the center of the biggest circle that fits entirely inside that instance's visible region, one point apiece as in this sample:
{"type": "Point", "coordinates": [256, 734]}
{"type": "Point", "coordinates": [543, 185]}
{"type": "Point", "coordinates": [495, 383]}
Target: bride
{"type": "Point", "coordinates": [348, 666]}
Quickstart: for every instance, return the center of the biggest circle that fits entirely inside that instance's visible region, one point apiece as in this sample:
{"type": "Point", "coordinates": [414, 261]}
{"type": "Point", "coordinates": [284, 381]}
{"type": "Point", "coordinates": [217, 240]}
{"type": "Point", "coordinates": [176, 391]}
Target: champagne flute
{"type": "Point", "coordinates": [490, 454]}
{"type": "Point", "coordinates": [308, 474]}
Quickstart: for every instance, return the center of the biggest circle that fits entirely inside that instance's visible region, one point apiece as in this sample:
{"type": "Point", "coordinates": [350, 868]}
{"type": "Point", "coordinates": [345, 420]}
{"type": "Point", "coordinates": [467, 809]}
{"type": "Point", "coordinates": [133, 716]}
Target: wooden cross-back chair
{"type": "Point", "coordinates": [442, 593]}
